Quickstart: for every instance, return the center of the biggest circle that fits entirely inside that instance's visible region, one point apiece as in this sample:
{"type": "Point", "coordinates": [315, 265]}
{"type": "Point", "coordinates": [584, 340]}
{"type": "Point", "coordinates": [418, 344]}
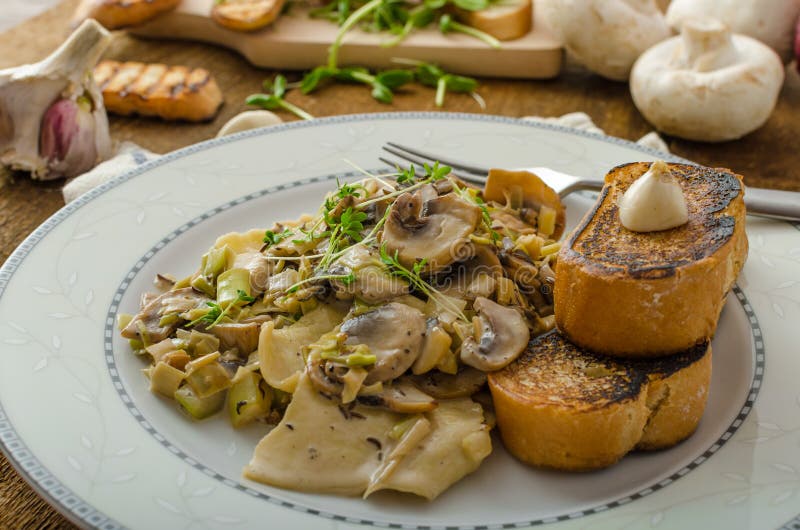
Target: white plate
{"type": "Point", "coordinates": [77, 420]}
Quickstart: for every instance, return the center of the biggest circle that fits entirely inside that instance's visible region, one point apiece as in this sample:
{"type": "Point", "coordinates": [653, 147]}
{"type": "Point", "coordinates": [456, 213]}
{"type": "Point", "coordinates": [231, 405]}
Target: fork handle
{"type": "Point", "coordinates": [775, 204]}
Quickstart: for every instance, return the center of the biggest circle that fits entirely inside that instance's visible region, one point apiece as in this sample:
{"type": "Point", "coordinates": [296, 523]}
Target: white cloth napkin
{"type": "Point", "coordinates": [130, 155]}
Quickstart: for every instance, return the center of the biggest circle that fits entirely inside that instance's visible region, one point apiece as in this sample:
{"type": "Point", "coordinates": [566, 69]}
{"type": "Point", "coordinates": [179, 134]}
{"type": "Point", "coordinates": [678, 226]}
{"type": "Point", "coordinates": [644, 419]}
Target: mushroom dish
{"type": "Point", "coordinates": [359, 337]}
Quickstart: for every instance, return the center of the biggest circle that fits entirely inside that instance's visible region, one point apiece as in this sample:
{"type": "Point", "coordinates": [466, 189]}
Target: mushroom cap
{"type": "Point", "coordinates": [720, 94]}
{"type": "Point", "coordinates": [770, 21]}
{"type": "Point", "coordinates": [393, 332]}
{"type": "Point", "coordinates": [501, 336]}
{"type": "Point", "coordinates": [606, 35]}
{"type": "Point", "coordinates": [436, 229]}
{"type": "Point", "coordinates": [373, 284]}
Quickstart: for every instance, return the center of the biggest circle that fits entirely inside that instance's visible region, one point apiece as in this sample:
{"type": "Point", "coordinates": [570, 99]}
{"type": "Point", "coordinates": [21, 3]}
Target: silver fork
{"type": "Point", "coordinates": [774, 204]}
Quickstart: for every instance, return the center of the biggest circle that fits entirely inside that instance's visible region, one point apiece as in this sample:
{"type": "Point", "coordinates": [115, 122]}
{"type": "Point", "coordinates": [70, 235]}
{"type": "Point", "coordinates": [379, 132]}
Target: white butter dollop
{"type": "Point", "coordinates": [654, 202]}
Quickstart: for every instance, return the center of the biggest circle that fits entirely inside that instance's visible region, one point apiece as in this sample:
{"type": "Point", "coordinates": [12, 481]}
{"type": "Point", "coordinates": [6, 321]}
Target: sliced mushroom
{"type": "Point", "coordinates": [259, 268]}
{"type": "Point", "coordinates": [519, 268]}
{"type": "Point", "coordinates": [535, 193]}
{"type": "Point", "coordinates": [435, 346]}
{"type": "Point", "coordinates": [394, 333]}
{"type": "Point", "coordinates": [243, 337]}
{"type": "Point", "coordinates": [436, 230]}
{"type": "Point", "coordinates": [440, 385]}
{"type": "Point", "coordinates": [401, 396]}
{"type": "Point", "coordinates": [501, 334]}
{"type": "Point", "coordinates": [373, 284]}
{"type": "Point", "coordinates": [149, 318]}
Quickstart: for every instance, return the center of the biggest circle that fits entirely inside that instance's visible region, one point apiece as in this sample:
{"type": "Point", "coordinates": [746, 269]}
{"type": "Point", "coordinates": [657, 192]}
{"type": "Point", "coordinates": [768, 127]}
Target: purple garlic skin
{"type": "Point", "coordinates": [67, 137]}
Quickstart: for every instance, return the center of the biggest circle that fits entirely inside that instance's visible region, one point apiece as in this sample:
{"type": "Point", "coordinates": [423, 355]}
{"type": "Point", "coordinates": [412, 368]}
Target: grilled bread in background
{"type": "Point", "coordinates": [507, 20]}
{"type": "Point", "coordinates": [169, 92]}
{"type": "Point", "coordinates": [246, 15]}
{"type": "Point", "coordinates": [634, 294]}
{"type": "Point", "coordinates": [559, 406]}
{"type": "Point", "coordinates": [114, 14]}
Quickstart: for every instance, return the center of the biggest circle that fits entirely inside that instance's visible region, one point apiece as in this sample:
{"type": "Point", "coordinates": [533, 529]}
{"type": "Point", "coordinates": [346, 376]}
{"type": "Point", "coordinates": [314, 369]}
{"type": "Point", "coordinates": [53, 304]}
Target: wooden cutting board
{"type": "Point", "coordinates": [297, 42]}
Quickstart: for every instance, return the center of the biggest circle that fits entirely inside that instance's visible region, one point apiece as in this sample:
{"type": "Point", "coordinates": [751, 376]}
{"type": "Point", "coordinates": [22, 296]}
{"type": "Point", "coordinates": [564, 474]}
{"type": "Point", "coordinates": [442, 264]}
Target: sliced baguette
{"type": "Point", "coordinates": [506, 20]}
{"type": "Point", "coordinates": [114, 14]}
{"type": "Point", "coordinates": [169, 92]}
{"type": "Point", "coordinates": [246, 15]}
{"type": "Point", "coordinates": [633, 294]}
{"type": "Point", "coordinates": [561, 407]}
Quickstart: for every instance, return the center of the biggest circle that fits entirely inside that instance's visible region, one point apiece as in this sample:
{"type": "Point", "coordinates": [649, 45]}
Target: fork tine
{"type": "Point", "coordinates": [429, 157]}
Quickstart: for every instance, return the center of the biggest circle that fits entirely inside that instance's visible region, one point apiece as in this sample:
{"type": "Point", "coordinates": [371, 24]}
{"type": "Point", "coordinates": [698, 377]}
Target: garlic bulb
{"type": "Point", "coordinates": [606, 36]}
{"type": "Point", "coordinates": [707, 84]}
{"type": "Point", "coordinates": [52, 119]}
{"type": "Point", "coordinates": [770, 21]}
{"type": "Point", "coordinates": [654, 202]}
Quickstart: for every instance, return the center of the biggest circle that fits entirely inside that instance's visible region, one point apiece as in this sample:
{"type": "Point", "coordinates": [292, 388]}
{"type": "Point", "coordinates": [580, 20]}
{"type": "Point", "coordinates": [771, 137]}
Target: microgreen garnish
{"type": "Point", "coordinates": [215, 314]}
{"type": "Point", "coordinates": [414, 277]}
{"type": "Point", "coordinates": [272, 99]}
{"type": "Point", "coordinates": [447, 24]}
{"type": "Point", "coordinates": [433, 76]}
{"type": "Point", "coordinates": [406, 176]}
{"type": "Point", "coordinates": [272, 238]}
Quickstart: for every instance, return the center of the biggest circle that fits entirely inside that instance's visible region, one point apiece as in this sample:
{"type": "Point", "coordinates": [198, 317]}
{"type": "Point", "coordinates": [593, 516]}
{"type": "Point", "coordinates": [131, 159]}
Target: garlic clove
{"type": "Point", "coordinates": [247, 120]}
{"type": "Point", "coordinates": [654, 202]}
{"type": "Point", "coordinates": [67, 137]}
{"type": "Point", "coordinates": [43, 128]}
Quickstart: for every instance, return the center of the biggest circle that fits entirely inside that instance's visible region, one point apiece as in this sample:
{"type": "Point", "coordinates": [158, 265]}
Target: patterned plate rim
{"type": "Point", "coordinates": [85, 515]}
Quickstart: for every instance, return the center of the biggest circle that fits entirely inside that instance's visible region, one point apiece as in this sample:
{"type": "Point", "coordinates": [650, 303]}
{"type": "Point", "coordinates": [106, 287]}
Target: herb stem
{"type": "Point", "coordinates": [441, 88]}
{"type": "Point", "coordinates": [352, 20]}
{"type": "Point", "coordinates": [294, 109]}
{"type": "Point", "coordinates": [476, 33]}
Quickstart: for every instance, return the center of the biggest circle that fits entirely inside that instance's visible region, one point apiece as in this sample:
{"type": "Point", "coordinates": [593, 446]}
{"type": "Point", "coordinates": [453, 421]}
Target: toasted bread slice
{"type": "Point", "coordinates": [645, 294]}
{"type": "Point", "coordinates": [504, 21]}
{"type": "Point", "coordinates": [170, 92]}
{"type": "Point", "coordinates": [114, 14]}
{"type": "Point", "coordinates": [562, 407]}
{"type": "Point", "coordinates": [246, 15]}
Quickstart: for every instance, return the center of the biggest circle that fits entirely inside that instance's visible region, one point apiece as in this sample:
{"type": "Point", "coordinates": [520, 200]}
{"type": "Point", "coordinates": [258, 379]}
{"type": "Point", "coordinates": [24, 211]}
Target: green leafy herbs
{"type": "Point", "coordinates": [447, 25]}
{"type": "Point", "coordinates": [272, 238]}
{"type": "Point", "coordinates": [273, 99]}
{"type": "Point", "coordinates": [414, 277]}
{"type": "Point", "coordinates": [383, 83]}
{"type": "Point", "coordinates": [433, 76]}
{"type": "Point", "coordinates": [216, 313]}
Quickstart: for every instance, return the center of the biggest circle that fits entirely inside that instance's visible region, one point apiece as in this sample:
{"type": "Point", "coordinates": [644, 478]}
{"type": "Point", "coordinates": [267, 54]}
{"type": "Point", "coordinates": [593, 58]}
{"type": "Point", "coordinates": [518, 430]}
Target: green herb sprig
{"type": "Point", "coordinates": [272, 99]}
{"type": "Point", "coordinates": [433, 76]}
{"type": "Point", "coordinates": [215, 314]}
{"type": "Point", "coordinates": [448, 25]}
{"type": "Point", "coordinates": [414, 277]}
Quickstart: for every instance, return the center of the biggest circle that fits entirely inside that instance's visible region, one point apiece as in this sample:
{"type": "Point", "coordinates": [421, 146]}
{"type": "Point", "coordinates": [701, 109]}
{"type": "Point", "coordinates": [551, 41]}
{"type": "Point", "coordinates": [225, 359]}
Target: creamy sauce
{"type": "Point", "coordinates": [654, 202]}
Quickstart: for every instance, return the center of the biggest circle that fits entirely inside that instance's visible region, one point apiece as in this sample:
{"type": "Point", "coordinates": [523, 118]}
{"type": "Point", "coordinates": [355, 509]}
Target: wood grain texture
{"type": "Point", "coordinates": [768, 157]}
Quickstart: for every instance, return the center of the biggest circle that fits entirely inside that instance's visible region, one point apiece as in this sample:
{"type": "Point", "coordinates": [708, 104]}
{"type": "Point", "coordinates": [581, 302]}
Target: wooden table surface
{"type": "Point", "coordinates": [769, 157]}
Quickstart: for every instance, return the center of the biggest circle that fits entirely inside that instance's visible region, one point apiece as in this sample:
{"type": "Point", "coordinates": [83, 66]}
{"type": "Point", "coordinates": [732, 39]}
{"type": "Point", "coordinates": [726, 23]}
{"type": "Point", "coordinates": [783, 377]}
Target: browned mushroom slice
{"type": "Point", "coordinates": [436, 230]}
{"type": "Point", "coordinates": [535, 193]}
{"type": "Point", "coordinates": [148, 320]}
{"type": "Point", "coordinates": [440, 385]}
{"type": "Point", "coordinates": [373, 284]}
{"type": "Point", "coordinates": [394, 333]}
{"type": "Point", "coordinates": [402, 397]}
{"type": "Point", "coordinates": [501, 334]}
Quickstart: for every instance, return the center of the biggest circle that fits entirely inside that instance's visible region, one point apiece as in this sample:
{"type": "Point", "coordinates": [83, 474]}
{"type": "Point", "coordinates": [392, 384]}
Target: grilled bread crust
{"type": "Point", "coordinates": [169, 92]}
{"type": "Point", "coordinates": [633, 294]}
{"type": "Point", "coordinates": [115, 14]}
{"type": "Point", "coordinates": [246, 15]}
{"type": "Point", "coordinates": [562, 407]}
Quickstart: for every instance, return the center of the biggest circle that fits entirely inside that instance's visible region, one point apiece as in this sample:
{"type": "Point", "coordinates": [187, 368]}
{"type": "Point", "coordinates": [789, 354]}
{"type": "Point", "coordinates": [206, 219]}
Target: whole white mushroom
{"type": "Point", "coordinates": [707, 84]}
{"type": "Point", "coordinates": [770, 21]}
{"type": "Point", "coordinates": [606, 36]}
